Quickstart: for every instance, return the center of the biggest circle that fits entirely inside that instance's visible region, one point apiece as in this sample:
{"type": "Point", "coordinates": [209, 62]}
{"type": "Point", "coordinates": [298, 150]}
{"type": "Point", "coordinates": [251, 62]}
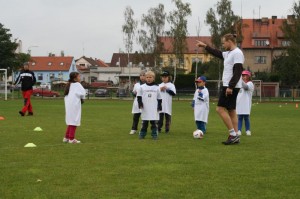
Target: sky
{"type": "Point", "coordinates": [93, 28]}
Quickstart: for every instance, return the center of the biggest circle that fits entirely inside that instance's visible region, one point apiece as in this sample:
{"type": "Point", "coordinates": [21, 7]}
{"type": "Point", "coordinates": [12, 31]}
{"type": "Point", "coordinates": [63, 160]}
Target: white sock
{"type": "Point", "coordinates": [232, 132]}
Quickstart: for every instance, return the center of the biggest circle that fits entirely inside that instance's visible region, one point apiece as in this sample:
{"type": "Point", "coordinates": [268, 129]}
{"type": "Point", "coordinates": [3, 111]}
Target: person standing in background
{"type": "Point", "coordinates": [27, 79]}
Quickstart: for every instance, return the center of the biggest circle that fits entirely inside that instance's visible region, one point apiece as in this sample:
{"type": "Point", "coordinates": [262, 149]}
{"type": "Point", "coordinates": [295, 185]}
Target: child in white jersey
{"type": "Point", "coordinates": [149, 101]}
{"type": "Point", "coordinates": [135, 107]}
{"type": "Point", "coordinates": [201, 104]}
{"type": "Point", "coordinates": [167, 91]}
{"type": "Point", "coordinates": [244, 102]}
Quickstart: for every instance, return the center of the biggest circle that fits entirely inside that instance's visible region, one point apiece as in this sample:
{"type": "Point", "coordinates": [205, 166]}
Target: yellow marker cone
{"type": "Point", "coordinates": [30, 145]}
{"type": "Point", "coordinates": [38, 129]}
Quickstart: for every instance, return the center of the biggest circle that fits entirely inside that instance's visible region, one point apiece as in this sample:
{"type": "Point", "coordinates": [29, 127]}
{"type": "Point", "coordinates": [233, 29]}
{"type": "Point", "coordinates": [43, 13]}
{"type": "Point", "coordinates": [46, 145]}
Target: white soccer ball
{"type": "Point", "coordinates": [198, 134]}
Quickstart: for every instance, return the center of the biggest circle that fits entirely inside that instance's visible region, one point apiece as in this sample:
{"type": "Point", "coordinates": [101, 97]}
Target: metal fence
{"type": "Point", "coordinates": [288, 95]}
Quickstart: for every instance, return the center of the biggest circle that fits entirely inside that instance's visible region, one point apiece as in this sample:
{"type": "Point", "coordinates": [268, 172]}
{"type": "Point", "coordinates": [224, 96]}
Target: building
{"type": "Point", "coordinates": [263, 40]}
{"type": "Point", "coordinates": [191, 54]}
{"type": "Point", "coordinates": [48, 69]}
{"type": "Point", "coordinates": [87, 67]}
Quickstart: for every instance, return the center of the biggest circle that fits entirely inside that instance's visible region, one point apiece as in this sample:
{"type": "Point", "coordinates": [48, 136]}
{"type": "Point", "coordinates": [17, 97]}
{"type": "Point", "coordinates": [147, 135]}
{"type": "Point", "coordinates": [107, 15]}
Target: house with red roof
{"type": "Point", "coordinates": [263, 41]}
{"type": "Point", "coordinates": [51, 68]}
{"type": "Point", "coordinates": [87, 66]}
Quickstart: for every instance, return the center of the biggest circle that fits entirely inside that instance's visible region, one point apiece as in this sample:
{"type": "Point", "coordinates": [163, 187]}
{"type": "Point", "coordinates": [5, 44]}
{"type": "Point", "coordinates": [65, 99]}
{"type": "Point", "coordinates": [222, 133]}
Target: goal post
{"type": "Point", "coordinates": [5, 82]}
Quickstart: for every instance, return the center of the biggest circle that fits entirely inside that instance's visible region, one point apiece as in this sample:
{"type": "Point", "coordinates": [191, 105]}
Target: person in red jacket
{"type": "Point", "coordinates": [27, 79]}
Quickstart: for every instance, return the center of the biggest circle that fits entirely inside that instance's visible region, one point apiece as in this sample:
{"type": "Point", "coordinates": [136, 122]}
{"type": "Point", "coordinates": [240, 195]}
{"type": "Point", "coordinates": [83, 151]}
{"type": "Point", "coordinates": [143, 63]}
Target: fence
{"type": "Point", "coordinates": [288, 95]}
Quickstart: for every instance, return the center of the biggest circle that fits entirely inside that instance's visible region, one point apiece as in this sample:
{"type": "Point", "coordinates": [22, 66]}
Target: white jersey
{"type": "Point", "coordinates": [73, 104]}
{"type": "Point", "coordinates": [150, 94]}
{"type": "Point", "coordinates": [230, 58]}
{"type": "Point", "coordinates": [244, 99]}
{"type": "Point", "coordinates": [166, 97]}
{"type": "Point", "coordinates": [135, 106]}
{"type": "Point", "coordinates": [201, 108]}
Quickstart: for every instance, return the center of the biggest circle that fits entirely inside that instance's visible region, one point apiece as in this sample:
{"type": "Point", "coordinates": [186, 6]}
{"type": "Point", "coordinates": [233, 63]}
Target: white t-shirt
{"type": "Point", "coordinates": [201, 108]}
{"type": "Point", "coordinates": [73, 104]}
{"type": "Point", "coordinates": [150, 94]}
{"type": "Point", "coordinates": [244, 99]}
{"type": "Point", "coordinates": [135, 106]}
{"type": "Point", "coordinates": [230, 58]}
{"type": "Point", "coordinates": [167, 98]}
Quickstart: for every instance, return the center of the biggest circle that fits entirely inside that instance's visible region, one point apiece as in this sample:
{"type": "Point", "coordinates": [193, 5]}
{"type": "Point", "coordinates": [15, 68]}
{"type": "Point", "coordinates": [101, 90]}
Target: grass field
{"type": "Point", "coordinates": [110, 163]}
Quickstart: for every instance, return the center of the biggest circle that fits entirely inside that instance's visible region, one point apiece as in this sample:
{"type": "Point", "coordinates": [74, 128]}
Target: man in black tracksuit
{"type": "Point", "coordinates": [27, 79]}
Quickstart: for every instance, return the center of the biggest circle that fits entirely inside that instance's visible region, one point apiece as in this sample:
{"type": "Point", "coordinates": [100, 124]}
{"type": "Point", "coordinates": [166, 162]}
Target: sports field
{"type": "Point", "coordinates": [110, 163]}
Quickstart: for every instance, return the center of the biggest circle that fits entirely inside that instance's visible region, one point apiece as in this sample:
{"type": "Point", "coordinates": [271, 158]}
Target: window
{"type": "Point", "coordinates": [51, 75]}
{"type": "Point", "coordinates": [33, 64]}
{"type": "Point", "coordinates": [61, 63]}
{"type": "Point", "coordinates": [40, 76]}
{"type": "Point", "coordinates": [285, 43]}
{"type": "Point", "coordinates": [261, 42]}
{"type": "Point", "coordinates": [49, 64]}
{"type": "Point", "coordinates": [260, 59]}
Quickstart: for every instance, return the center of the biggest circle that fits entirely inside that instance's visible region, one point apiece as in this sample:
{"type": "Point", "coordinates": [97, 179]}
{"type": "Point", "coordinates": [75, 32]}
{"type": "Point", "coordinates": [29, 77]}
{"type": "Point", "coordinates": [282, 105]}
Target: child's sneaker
{"type": "Point", "coordinates": [239, 133]}
{"type": "Point", "coordinates": [248, 133]}
{"type": "Point", "coordinates": [65, 140]}
{"type": "Point", "coordinates": [132, 132]}
{"type": "Point", "coordinates": [74, 141]}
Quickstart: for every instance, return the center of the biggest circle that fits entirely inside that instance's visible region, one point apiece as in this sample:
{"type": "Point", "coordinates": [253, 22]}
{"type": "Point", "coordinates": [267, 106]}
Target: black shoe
{"type": "Point", "coordinates": [141, 137]}
{"type": "Point", "coordinates": [232, 140]}
{"type": "Point", "coordinates": [21, 113]}
{"type": "Point", "coordinates": [30, 114]}
{"type": "Point", "coordinates": [167, 130]}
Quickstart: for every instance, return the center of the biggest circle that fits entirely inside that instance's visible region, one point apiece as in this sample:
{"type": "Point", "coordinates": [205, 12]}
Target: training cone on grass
{"type": "Point", "coordinates": [30, 145]}
{"type": "Point", "coordinates": [38, 129]}
{"type": "Point", "coordinates": [1, 118]}
{"type": "Point", "coordinates": [296, 105]}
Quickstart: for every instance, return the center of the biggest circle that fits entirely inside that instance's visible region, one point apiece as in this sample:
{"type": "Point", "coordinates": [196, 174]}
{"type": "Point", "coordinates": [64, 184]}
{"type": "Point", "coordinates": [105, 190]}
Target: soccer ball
{"type": "Point", "coordinates": [198, 134]}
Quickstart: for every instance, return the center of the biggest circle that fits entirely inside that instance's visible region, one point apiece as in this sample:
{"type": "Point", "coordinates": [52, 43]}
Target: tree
{"type": "Point", "coordinates": [7, 49]}
{"type": "Point", "coordinates": [178, 30]}
{"type": "Point", "coordinates": [287, 66]}
{"type": "Point", "coordinates": [223, 21]}
{"type": "Point", "coordinates": [154, 23]}
{"type": "Point", "coordinates": [128, 30]}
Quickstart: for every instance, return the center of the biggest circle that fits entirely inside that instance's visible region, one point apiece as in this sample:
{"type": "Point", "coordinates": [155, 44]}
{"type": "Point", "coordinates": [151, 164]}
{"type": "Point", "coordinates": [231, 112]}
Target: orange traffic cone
{"type": "Point", "coordinates": [296, 105]}
{"type": "Point", "coordinates": [1, 118]}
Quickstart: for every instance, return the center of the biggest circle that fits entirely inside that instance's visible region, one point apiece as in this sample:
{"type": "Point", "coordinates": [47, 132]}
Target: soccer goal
{"type": "Point", "coordinates": [3, 82]}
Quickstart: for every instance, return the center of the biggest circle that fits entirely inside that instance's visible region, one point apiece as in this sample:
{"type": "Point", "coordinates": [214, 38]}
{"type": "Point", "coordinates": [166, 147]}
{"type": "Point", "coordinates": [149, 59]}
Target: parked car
{"type": "Point", "coordinates": [122, 92]}
{"type": "Point", "coordinates": [45, 92]}
{"type": "Point", "coordinates": [46, 85]}
{"type": "Point", "coordinates": [102, 92]}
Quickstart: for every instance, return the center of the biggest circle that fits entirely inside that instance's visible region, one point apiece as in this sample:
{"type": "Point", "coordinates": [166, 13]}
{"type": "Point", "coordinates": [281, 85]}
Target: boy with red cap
{"type": "Point", "coordinates": [201, 104]}
{"type": "Point", "coordinates": [244, 102]}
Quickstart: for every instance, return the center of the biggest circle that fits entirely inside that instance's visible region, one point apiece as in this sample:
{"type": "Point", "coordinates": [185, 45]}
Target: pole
{"type": "Point", "coordinates": [5, 71]}
{"type": "Point", "coordinates": [129, 72]}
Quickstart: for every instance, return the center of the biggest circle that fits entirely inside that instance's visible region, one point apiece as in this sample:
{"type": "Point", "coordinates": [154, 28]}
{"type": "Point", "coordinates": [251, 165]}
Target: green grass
{"type": "Point", "coordinates": [110, 163]}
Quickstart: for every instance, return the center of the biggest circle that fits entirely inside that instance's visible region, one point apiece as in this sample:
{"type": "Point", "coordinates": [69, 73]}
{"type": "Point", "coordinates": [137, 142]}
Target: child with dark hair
{"type": "Point", "coordinates": [167, 91]}
{"type": "Point", "coordinates": [201, 104]}
{"type": "Point", "coordinates": [74, 95]}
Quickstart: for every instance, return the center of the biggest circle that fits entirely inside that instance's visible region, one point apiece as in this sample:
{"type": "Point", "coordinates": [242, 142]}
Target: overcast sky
{"type": "Point", "coordinates": [94, 27]}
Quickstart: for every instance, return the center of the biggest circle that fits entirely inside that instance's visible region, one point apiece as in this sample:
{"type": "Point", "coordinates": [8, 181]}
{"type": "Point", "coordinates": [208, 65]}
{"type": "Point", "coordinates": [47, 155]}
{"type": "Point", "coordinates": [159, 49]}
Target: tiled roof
{"type": "Point", "coordinates": [135, 58]}
{"type": "Point", "coordinates": [50, 63]}
{"type": "Point", "coordinates": [94, 62]}
{"type": "Point", "coordinates": [264, 28]}
{"type": "Point", "coordinates": [190, 41]}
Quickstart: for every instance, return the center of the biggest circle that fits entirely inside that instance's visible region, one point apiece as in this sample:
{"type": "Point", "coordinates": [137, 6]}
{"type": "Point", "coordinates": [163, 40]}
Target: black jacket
{"type": "Point", "coordinates": [26, 79]}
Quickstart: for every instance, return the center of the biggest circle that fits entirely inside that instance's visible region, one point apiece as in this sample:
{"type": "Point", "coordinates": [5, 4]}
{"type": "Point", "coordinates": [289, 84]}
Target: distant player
{"type": "Point", "coordinates": [135, 107]}
{"type": "Point", "coordinates": [27, 80]}
{"type": "Point", "coordinates": [149, 101]}
{"type": "Point", "coordinates": [244, 102]}
{"type": "Point", "coordinates": [167, 91]}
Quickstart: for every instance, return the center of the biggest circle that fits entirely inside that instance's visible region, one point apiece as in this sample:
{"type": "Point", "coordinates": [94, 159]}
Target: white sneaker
{"type": "Point", "coordinates": [65, 140]}
{"type": "Point", "coordinates": [239, 133]}
{"type": "Point", "coordinates": [248, 133]}
{"type": "Point", "coordinates": [132, 132]}
{"type": "Point", "coordinates": [74, 141]}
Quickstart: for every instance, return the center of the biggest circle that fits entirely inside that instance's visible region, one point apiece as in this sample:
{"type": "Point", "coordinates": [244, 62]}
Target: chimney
{"type": "Point", "coordinates": [274, 19]}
